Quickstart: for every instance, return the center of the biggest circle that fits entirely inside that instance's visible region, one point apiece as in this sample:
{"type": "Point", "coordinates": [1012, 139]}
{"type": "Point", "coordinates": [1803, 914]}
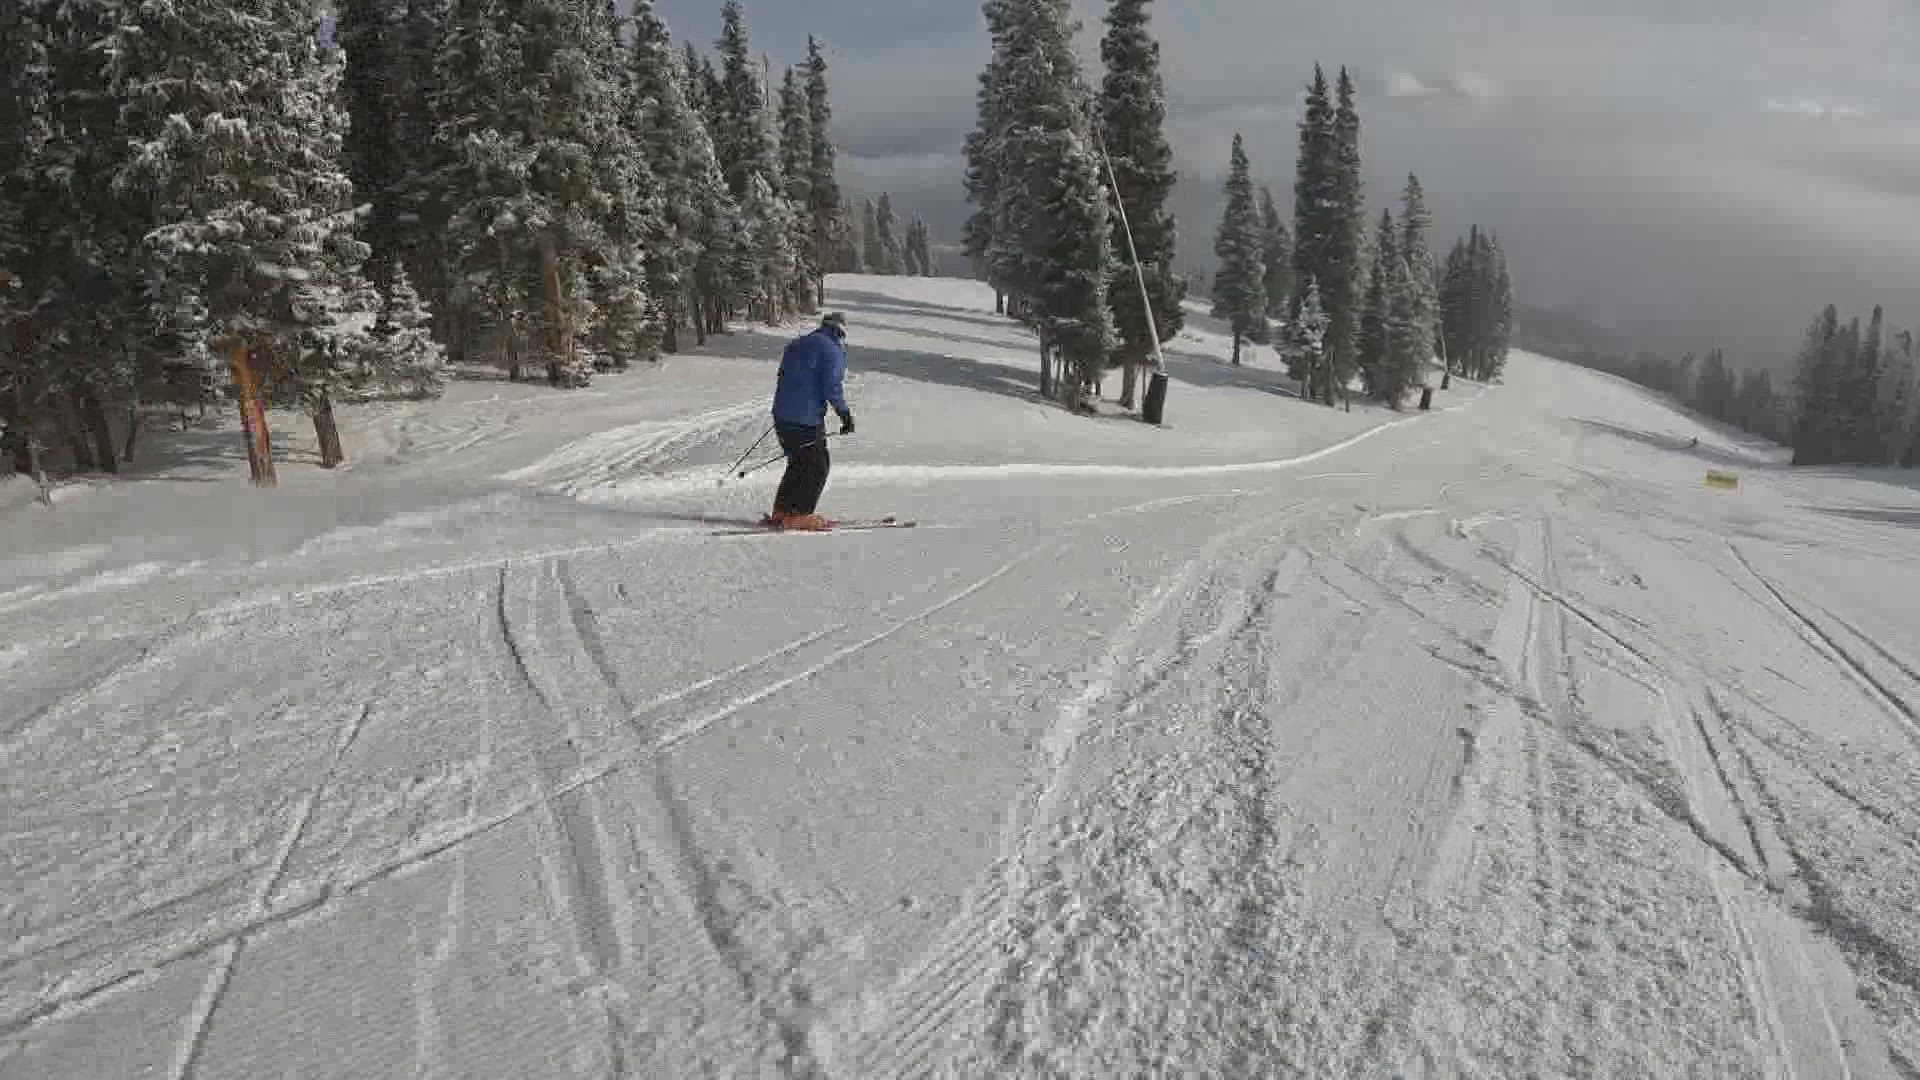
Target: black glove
{"type": "Point", "coordinates": [846, 423]}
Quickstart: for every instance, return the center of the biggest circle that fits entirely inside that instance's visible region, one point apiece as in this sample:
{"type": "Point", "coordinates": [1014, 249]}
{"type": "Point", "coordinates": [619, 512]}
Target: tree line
{"type": "Point", "coordinates": [1070, 186]}
{"type": "Point", "coordinates": [873, 242]}
{"type": "Point", "coordinates": [201, 194]}
{"type": "Point", "coordinates": [1340, 302]}
{"type": "Point", "coordinates": [1854, 398]}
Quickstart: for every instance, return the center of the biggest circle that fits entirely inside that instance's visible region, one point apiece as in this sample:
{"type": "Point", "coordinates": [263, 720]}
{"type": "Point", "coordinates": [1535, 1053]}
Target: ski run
{"type": "Point", "coordinates": [1279, 741]}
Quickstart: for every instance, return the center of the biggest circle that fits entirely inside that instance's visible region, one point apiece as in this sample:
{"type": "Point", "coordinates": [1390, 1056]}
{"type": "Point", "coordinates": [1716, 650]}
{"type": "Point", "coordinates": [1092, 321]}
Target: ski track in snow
{"type": "Point", "coordinates": [1500, 751]}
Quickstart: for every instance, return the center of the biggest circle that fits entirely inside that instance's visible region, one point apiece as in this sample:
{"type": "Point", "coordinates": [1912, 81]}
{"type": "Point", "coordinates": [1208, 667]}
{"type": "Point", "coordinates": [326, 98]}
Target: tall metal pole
{"type": "Point", "coordinates": [1153, 406]}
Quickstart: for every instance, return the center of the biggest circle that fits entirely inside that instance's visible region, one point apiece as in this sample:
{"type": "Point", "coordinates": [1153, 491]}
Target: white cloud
{"type": "Point", "coordinates": [1814, 110]}
{"type": "Point", "coordinates": [1475, 85]}
{"type": "Point", "coordinates": [1405, 84]}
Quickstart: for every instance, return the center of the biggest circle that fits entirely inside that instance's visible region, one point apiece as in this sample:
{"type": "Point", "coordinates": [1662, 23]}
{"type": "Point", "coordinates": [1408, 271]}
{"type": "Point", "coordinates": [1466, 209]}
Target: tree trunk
{"type": "Point", "coordinates": [253, 418]}
{"type": "Point", "coordinates": [999, 302]}
{"type": "Point", "coordinates": [559, 335]}
{"type": "Point", "coordinates": [670, 331]}
{"type": "Point", "coordinates": [1046, 368]}
{"type": "Point", "coordinates": [1236, 347]}
{"type": "Point", "coordinates": [94, 415]}
{"type": "Point", "coordinates": [1129, 382]}
{"type": "Point", "coordinates": [697, 318]}
{"type": "Point", "coordinates": [328, 430]}
{"type": "Point", "coordinates": [820, 290]}
{"type": "Point", "coordinates": [78, 444]}
{"type": "Point", "coordinates": [133, 432]}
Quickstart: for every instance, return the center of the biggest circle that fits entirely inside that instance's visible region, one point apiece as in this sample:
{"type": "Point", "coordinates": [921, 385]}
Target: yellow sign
{"type": "Point", "coordinates": [1719, 479]}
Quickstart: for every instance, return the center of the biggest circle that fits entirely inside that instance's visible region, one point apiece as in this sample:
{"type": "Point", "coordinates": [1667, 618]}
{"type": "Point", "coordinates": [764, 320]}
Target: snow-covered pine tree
{"type": "Point", "coordinates": [1499, 325]}
{"type": "Point", "coordinates": [412, 362]}
{"type": "Point", "coordinates": [1240, 285]}
{"type": "Point", "coordinates": [1052, 244]}
{"type": "Point", "coordinates": [796, 168]}
{"type": "Point", "coordinates": [823, 185]}
{"type": "Point", "coordinates": [929, 264]}
{"type": "Point", "coordinates": [626, 316]}
{"type": "Point", "coordinates": [893, 258]}
{"type": "Point", "coordinates": [236, 134]}
{"type": "Point", "coordinates": [1318, 214]}
{"type": "Point", "coordinates": [737, 115]}
{"type": "Point", "coordinates": [1305, 336]}
{"type": "Point", "coordinates": [910, 252]}
{"type": "Point", "coordinates": [662, 124]}
{"type": "Point", "coordinates": [982, 153]}
{"type": "Point", "coordinates": [695, 69]}
{"type": "Point", "coordinates": [1862, 393]}
{"type": "Point", "coordinates": [769, 220]}
{"type": "Point", "coordinates": [1416, 223]}
{"type": "Point", "coordinates": [372, 33]}
{"type": "Point", "coordinates": [1818, 384]}
{"type": "Point", "coordinates": [26, 131]}
{"type": "Point", "coordinates": [1409, 338]}
{"type": "Point", "coordinates": [871, 251]}
{"type": "Point", "coordinates": [1894, 399]}
{"type": "Point", "coordinates": [1132, 118]}
{"type": "Point", "coordinates": [1372, 341]}
{"type": "Point", "coordinates": [850, 240]}
{"type": "Point", "coordinates": [1278, 257]}
{"type": "Point", "coordinates": [70, 238]}
{"type": "Point", "coordinates": [1343, 279]}
{"type": "Point", "coordinates": [1456, 315]}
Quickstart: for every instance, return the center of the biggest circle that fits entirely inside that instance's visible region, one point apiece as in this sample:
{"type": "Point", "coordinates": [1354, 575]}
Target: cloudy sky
{"type": "Point", "coordinates": [1703, 171]}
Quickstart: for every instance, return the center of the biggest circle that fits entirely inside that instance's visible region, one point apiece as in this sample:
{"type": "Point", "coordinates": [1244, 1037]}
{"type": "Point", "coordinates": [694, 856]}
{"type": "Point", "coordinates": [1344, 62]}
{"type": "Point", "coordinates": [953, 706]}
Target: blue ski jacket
{"type": "Point", "coordinates": [812, 378]}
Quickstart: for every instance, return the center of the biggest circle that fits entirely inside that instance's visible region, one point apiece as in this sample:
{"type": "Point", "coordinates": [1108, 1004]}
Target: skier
{"type": "Point", "coordinates": [812, 372]}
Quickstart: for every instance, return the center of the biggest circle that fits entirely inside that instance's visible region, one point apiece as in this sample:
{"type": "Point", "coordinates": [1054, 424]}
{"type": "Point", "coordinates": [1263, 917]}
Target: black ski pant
{"type": "Point", "coordinates": [807, 466]}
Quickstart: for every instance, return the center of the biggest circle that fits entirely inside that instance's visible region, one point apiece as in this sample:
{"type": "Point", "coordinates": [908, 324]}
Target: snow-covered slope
{"type": "Point", "coordinates": [1282, 741]}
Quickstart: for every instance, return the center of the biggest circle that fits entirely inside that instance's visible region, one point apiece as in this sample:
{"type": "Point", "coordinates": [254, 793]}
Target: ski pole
{"type": "Point", "coordinates": [782, 456]}
{"type": "Point", "coordinates": [750, 450]}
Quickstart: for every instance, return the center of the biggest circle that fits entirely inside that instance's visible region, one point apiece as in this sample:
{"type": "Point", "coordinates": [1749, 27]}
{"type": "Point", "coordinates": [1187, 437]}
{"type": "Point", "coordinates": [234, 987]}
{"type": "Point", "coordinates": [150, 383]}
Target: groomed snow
{"type": "Point", "coordinates": [1280, 741]}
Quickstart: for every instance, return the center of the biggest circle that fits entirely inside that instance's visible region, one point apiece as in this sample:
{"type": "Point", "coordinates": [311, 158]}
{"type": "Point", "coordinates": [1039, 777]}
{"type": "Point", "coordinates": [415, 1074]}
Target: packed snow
{"type": "Point", "coordinates": [1281, 740]}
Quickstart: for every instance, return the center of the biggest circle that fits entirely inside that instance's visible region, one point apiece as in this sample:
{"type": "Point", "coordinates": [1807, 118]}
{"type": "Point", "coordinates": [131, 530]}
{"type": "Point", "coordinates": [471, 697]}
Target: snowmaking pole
{"type": "Point", "coordinates": [1153, 406]}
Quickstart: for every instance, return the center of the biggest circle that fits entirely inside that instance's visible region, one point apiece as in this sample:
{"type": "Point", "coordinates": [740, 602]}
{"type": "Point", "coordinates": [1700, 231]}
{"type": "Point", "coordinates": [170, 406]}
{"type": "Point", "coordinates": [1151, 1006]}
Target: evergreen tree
{"type": "Point", "coordinates": [982, 151]}
{"type": "Point", "coordinates": [73, 303]}
{"type": "Point", "coordinates": [407, 356]}
{"type": "Point", "coordinates": [382, 91]}
{"type": "Point", "coordinates": [849, 242]}
{"type": "Point", "coordinates": [1500, 311]}
{"type": "Point", "coordinates": [1416, 222]}
{"type": "Point", "coordinates": [797, 154]}
{"type": "Point", "coordinates": [1818, 429]}
{"type": "Point", "coordinates": [1279, 258]}
{"type": "Point", "coordinates": [1319, 217]}
{"type": "Point", "coordinates": [1050, 230]}
{"type": "Point", "coordinates": [1476, 311]}
{"type": "Point", "coordinates": [887, 228]}
{"type": "Point", "coordinates": [236, 139]}
{"type": "Point", "coordinates": [1455, 308]}
{"type": "Point", "coordinates": [1372, 342]}
{"type": "Point", "coordinates": [1894, 400]}
{"type": "Point", "coordinates": [1305, 338]}
{"type": "Point", "coordinates": [1132, 118]}
{"type": "Point", "coordinates": [1341, 275]}
{"type": "Point", "coordinates": [910, 252]}
{"type": "Point", "coordinates": [872, 251]}
{"type": "Point", "coordinates": [737, 113]}
{"type": "Point", "coordinates": [548, 192]}
{"type": "Point", "coordinates": [663, 126]}
{"type": "Point", "coordinates": [1239, 287]}
{"type": "Point", "coordinates": [1862, 393]}
{"type": "Point", "coordinates": [822, 184]}
{"type": "Point", "coordinates": [1409, 339]}
{"type": "Point", "coordinates": [1715, 389]}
